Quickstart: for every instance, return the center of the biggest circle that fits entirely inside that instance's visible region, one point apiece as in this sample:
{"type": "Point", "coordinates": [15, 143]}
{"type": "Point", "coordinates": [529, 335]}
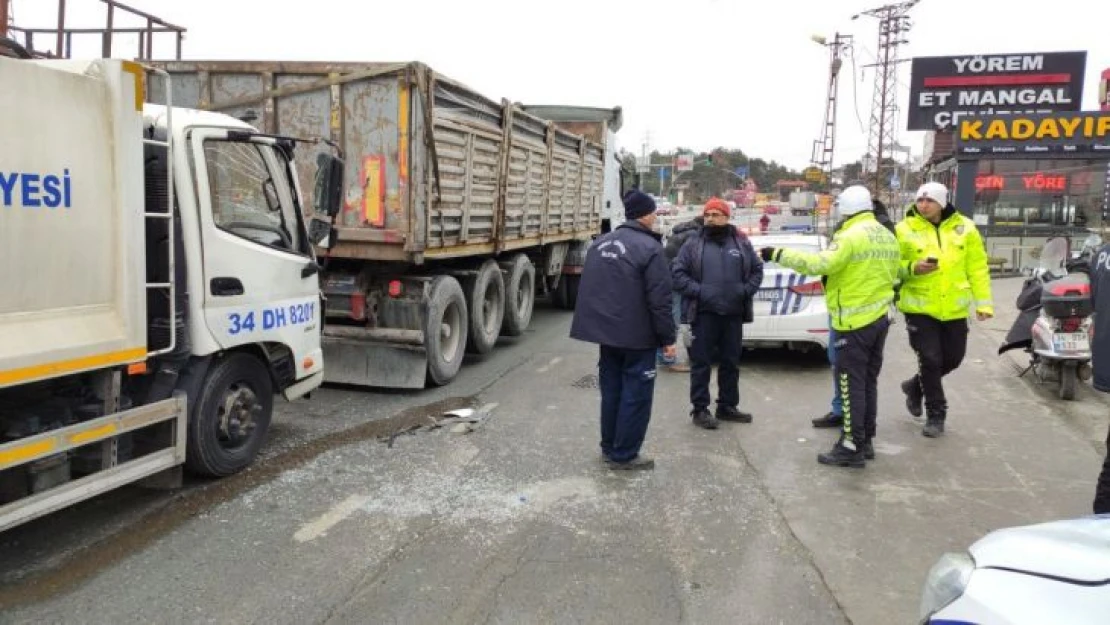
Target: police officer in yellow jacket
{"type": "Point", "coordinates": [945, 273]}
{"type": "Point", "coordinates": [862, 267]}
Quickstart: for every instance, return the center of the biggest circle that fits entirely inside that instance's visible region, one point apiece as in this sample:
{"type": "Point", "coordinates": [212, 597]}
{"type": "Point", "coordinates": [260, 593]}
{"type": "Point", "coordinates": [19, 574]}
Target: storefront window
{"type": "Point", "coordinates": [1035, 192]}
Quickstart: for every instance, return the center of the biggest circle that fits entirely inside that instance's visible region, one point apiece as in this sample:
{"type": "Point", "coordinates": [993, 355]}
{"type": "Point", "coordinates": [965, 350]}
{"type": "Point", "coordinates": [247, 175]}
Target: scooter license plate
{"type": "Point", "coordinates": [1073, 342]}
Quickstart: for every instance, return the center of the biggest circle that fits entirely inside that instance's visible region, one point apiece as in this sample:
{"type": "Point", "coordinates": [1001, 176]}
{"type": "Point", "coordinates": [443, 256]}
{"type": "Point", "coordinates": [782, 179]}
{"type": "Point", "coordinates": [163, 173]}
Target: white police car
{"type": "Point", "coordinates": [1055, 572]}
{"type": "Point", "coordinates": [790, 308]}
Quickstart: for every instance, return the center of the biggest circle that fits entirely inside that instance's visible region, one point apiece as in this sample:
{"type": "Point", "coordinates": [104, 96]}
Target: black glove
{"type": "Point", "coordinates": [767, 254]}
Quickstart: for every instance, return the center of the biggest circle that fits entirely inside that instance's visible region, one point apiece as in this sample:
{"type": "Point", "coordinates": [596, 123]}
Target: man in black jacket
{"type": "Point", "coordinates": [624, 305]}
{"type": "Point", "coordinates": [717, 273]}
{"type": "Point", "coordinates": [1100, 361]}
{"type": "Point", "coordinates": [680, 234]}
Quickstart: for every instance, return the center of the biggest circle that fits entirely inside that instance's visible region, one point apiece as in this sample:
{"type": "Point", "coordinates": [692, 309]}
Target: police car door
{"type": "Point", "coordinates": [260, 273]}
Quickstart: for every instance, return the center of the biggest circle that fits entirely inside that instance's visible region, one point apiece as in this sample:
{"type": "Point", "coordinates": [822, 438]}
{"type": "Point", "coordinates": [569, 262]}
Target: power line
{"type": "Point", "coordinates": [893, 24]}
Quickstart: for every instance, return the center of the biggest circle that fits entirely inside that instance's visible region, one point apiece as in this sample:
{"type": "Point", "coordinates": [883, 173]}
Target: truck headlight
{"type": "Point", "coordinates": [946, 582]}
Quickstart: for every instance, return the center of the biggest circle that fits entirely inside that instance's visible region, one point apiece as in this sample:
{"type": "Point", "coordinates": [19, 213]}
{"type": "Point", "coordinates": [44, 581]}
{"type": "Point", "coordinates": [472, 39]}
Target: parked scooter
{"type": "Point", "coordinates": [1055, 324]}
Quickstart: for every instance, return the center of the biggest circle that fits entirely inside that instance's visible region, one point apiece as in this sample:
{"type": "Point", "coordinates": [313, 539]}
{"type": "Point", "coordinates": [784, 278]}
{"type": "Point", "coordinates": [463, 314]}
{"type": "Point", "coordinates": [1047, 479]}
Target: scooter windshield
{"type": "Point", "coordinates": [1053, 255]}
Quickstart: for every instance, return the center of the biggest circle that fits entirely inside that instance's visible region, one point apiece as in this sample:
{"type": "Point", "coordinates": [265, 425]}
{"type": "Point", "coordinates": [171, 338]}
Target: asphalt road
{"type": "Point", "coordinates": [517, 521]}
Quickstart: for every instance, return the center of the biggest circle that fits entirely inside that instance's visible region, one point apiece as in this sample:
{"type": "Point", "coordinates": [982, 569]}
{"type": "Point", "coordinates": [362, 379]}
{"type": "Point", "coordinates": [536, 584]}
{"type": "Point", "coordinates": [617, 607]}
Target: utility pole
{"type": "Point", "coordinates": [893, 24]}
{"type": "Point", "coordinates": [825, 146]}
{"type": "Point", "coordinates": [4, 11]}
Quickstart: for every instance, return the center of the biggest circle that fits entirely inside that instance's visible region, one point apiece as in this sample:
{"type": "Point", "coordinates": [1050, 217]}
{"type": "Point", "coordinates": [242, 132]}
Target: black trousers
{"type": "Point", "coordinates": [1102, 491]}
{"type": "Point", "coordinates": [859, 360]}
{"type": "Point", "coordinates": [940, 347]}
{"type": "Point", "coordinates": [721, 336]}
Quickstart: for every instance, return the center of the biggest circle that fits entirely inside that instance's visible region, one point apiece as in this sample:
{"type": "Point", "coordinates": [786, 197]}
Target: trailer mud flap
{"type": "Point", "coordinates": [371, 363]}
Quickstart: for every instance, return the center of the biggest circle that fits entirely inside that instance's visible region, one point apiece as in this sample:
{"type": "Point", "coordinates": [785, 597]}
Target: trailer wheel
{"type": "Point", "coordinates": [231, 416]}
{"type": "Point", "coordinates": [485, 298]}
{"type": "Point", "coordinates": [520, 295]}
{"type": "Point", "coordinates": [445, 329]}
{"type": "Point", "coordinates": [566, 294]}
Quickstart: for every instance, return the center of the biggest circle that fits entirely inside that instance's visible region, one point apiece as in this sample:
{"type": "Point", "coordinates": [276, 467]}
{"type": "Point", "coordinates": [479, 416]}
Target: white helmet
{"type": "Point", "coordinates": [853, 200]}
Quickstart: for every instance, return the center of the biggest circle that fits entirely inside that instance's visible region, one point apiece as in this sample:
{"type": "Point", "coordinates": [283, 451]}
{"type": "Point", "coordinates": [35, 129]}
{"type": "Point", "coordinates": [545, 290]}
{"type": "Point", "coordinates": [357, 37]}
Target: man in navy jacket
{"type": "Point", "coordinates": [624, 305]}
{"type": "Point", "coordinates": [1100, 361]}
{"type": "Point", "coordinates": [718, 274]}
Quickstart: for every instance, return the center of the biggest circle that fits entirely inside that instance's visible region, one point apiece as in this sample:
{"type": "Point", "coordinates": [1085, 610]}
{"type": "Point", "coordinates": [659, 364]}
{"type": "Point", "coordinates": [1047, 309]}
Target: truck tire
{"type": "Point", "coordinates": [230, 418]}
{"type": "Point", "coordinates": [566, 294]}
{"type": "Point", "coordinates": [445, 330]}
{"type": "Point", "coordinates": [1069, 378]}
{"type": "Point", "coordinates": [485, 298]}
{"type": "Point", "coordinates": [520, 295]}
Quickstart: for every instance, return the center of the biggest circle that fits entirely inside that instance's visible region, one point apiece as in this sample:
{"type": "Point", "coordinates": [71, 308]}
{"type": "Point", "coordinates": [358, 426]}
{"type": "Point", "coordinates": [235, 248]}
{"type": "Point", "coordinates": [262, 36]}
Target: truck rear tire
{"type": "Point", "coordinates": [230, 418]}
{"type": "Point", "coordinates": [565, 296]}
{"type": "Point", "coordinates": [520, 295]}
{"type": "Point", "coordinates": [485, 298]}
{"type": "Point", "coordinates": [445, 329]}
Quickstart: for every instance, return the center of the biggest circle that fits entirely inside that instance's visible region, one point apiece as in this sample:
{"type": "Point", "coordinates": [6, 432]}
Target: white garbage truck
{"type": "Point", "coordinates": [159, 285]}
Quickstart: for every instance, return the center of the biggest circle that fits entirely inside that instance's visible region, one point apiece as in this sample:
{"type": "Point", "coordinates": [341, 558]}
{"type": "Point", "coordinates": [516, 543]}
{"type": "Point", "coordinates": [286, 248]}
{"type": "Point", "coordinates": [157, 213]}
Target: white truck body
{"type": "Point", "coordinates": [71, 264]}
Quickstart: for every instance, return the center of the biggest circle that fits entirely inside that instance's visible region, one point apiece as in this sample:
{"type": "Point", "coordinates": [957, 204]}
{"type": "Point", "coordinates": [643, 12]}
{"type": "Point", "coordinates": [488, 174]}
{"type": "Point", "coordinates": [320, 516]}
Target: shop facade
{"type": "Point", "coordinates": [1025, 179]}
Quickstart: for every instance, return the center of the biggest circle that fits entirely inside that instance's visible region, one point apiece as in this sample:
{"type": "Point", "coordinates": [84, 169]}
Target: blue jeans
{"type": "Point", "coordinates": [627, 381]}
{"type": "Point", "coordinates": [837, 403]}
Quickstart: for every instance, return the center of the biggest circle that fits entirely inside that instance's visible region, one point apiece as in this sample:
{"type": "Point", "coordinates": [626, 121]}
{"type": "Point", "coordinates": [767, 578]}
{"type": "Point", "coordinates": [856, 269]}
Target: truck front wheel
{"type": "Point", "coordinates": [445, 329]}
{"type": "Point", "coordinates": [230, 417]}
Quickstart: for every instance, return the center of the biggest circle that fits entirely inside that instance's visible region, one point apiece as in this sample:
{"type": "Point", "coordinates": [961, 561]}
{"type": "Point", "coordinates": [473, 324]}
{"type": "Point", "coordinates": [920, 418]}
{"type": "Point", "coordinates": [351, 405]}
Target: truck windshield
{"type": "Point", "coordinates": [239, 174]}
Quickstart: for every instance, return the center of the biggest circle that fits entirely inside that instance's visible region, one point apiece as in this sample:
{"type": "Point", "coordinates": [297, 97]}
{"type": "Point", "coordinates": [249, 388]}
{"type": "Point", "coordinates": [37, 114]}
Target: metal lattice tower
{"type": "Point", "coordinates": [825, 146]}
{"type": "Point", "coordinates": [882, 134]}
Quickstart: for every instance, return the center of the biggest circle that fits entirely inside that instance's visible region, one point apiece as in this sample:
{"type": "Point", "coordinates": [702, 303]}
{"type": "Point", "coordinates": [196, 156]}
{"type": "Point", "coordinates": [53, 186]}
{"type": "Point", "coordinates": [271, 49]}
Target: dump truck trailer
{"type": "Point", "coordinates": [159, 283]}
{"type": "Point", "coordinates": [458, 212]}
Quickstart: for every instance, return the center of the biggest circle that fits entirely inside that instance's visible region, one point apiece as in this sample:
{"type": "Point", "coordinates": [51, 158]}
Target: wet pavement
{"type": "Point", "coordinates": [518, 521]}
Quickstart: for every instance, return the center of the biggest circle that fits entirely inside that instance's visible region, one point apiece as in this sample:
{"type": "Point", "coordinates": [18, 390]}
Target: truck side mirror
{"type": "Point", "coordinates": [328, 195]}
{"type": "Point", "coordinates": [320, 232]}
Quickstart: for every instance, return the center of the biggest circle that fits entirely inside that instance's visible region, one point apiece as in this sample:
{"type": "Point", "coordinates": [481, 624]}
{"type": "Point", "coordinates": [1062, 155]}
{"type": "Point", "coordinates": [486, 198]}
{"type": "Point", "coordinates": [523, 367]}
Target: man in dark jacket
{"type": "Point", "coordinates": [680, 234]}
{"type": "Point", "coordinates": [1100, 361]}
{"type": "Point", "coordinates": [717, 273]}
{"type": "Point", "coordinates": [624, 305]}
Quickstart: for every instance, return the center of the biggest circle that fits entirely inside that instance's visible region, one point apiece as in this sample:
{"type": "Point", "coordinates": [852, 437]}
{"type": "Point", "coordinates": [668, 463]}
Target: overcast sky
{"type": "Point", "coordinates": [696, 73]}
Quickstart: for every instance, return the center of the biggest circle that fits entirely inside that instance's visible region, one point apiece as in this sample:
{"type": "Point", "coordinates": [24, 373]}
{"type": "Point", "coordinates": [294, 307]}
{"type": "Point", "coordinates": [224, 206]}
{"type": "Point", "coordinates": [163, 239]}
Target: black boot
{"type": "Point", "coordinates": [842, 455]}
{"type": "Point", "coordinates": [934, 421]}
{"type": "Point", "coordinates": [915, 397]}
{"type": "Point", "coordinates": [868, 449]}
{"type": "Point", "coordinates": [934, 427]}
{"type": "Point", "coordinates": [728, 413]}
{"type": "Point", "coordinates": [703, 419]}
{"type": "Point", "coordinates": [828, 421]}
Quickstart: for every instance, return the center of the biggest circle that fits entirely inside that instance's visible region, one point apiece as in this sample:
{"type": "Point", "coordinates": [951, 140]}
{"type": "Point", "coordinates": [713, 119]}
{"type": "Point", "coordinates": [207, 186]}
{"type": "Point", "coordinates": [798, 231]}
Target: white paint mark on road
{"type": "Point", "coordinates": [554, 361]}
{"type": "Point", "coordinates": [331, 518]}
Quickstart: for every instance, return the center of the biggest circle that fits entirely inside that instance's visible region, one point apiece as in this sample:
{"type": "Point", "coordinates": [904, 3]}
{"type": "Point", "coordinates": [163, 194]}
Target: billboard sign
{"type": "Point", "coordinates": [1055, 133]}
{"type": "Point", "coordinates": [946, 89]}
{"type": "Point", "coordinates": [684, 162]}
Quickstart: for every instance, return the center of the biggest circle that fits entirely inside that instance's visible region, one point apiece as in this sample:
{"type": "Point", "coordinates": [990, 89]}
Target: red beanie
{"type": "Point", "coordinates": [717, 203]}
